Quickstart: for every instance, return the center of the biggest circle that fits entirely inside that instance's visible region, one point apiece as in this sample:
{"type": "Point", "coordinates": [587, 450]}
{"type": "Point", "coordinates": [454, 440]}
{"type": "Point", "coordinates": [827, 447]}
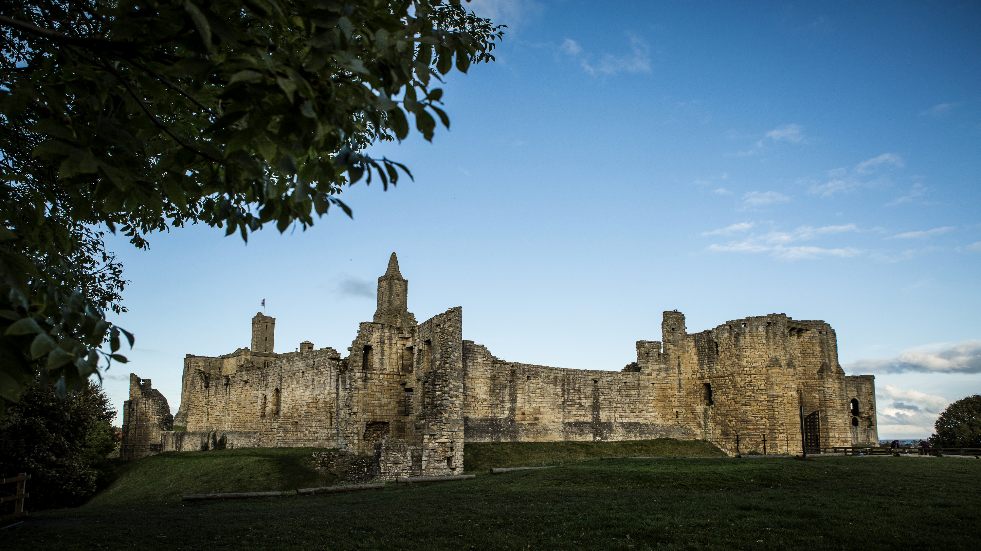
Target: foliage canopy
{"type": "Point", "coordinates": [142, 115]}
{"type": "Point", "coordinates": [959, 426]}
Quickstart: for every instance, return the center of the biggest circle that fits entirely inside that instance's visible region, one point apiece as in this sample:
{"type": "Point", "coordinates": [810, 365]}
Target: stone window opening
{"type": "Point", "coordinates": [262, 410]}
{"type": "Point", "coordinates": [408, 401]}
{"type": "Point", "coordinates": [854, 421]}
{"type": "Point", "coordinates": [427, 354]}
{"type": "Point", "coordinates": [716, 349]}
{"type": "Point", "coordinates": [449, 462]}
{"type": "Point", "coordinates": [853, 406]}
{"type": "Point", "coordinates": [407, 359]}
{"type": "Point", "coordinates": [707, 393]}
{"type": "Point", "coordinates": [743, 325]}
{"type": "Point", "coordinates": [366, 358]}
{"type": "Point", "coordinates": [275, 404]}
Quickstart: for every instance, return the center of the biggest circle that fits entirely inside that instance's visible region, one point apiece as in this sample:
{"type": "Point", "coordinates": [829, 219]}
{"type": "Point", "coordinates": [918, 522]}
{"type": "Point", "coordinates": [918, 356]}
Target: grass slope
{"type": "Point", "coordinates": [169, 475]}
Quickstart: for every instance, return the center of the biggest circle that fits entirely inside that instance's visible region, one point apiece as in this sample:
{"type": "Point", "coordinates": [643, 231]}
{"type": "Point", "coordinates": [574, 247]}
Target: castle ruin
{"type": "Point", "coordinates": [413, 394]}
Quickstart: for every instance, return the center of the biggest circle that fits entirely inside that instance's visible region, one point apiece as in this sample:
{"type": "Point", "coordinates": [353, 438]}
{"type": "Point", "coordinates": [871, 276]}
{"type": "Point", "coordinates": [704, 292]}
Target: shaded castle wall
{"type": "Point", "coordinates": [289, 400]}
{"type": "Point", "coordinates": [145, 416]}
{"type": "Point", "coordinates": [515, 402]}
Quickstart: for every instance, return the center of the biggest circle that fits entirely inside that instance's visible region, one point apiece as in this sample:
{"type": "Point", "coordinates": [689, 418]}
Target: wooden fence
{"type": "Point", "coordinates": [19, 495]}
{"type": "Point", "coordinates": [871, 450]}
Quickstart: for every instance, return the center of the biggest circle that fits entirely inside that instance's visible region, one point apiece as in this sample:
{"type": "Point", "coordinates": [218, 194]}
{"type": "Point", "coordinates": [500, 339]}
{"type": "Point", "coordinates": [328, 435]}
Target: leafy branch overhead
{"type": "Point", "coordinates": [142, 115]}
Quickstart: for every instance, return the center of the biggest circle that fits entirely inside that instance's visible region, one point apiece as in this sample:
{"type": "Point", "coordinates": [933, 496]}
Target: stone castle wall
{"type": "Point", "coordinates": [412, 394]}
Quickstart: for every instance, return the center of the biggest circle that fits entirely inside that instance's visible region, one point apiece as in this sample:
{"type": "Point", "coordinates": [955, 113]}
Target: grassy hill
{"type": "Point", "coordinates": [666, 503]}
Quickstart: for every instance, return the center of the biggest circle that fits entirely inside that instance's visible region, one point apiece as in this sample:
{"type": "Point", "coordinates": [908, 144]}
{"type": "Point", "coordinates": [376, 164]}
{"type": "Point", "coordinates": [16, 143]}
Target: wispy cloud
{"type": "Point", "coordinates": [939, 109]}
{"type": "Point", "coordinates": [759, 198]}
{"type": "Point", "coordinates": [571, 47]}
{"type": "Point", "coordinates": [975, 246]}
{"type": "Point", "coordinates": [922, 234]}
{"type": "Point", "coordinates": [721, 191]}
{"type": "Point", "coordinates": [783, 244]}
{"type": "Point", "coordinates": [788, 132]}
{"type": "Point", "coordinates": [793, 133]}
{"type": "Point", "coordinates": [963, 357]}
{"type": "Point", "coordinates": [356, 287]}
{"type": "Point", "coordinates": [729, 230]}
{"type": "Point", "coordinates": [869, 166]}
{"type": "Point", "coordinates": [508, 12]}
{"type": "Point", "coordinates": [638, 60]}
{"type": "Point", "coordinates": [842, 180]}
{"type": "Point", "coordinates": [916, 191]}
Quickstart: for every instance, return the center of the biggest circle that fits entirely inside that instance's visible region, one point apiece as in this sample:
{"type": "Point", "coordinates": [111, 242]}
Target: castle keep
{"type": "Point", "coordinates": [414, 393]}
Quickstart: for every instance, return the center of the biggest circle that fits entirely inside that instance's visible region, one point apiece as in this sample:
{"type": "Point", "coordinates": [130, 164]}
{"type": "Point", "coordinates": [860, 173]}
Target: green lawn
{"type": "Point", "coordinates": [669, 503]}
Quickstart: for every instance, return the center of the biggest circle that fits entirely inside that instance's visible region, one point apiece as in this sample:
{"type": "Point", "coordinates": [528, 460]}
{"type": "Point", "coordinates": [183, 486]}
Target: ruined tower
{"type": "Point", "coordinates": [263, 333]}
{"type": "Point", "coordinates": [393, 290]}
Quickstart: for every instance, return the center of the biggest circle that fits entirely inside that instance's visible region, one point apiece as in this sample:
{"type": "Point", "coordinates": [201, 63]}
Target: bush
{"type": "Point", "coordinates": [62, 444]}
{"type": "Point", "coordinates": [959, 426]}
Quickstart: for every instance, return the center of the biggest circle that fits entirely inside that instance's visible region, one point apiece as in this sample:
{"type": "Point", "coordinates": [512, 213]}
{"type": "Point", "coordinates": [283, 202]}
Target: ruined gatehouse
{"type": "Point", "coordinates": [414, 394]}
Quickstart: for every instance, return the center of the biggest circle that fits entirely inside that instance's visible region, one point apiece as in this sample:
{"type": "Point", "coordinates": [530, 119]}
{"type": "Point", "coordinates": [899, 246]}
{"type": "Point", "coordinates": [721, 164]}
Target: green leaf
{"type": "Point", "coordinates": [399, 123]}
{"type": "Point", "coordinates": [129, 337]}
{"type": "Point", "coordinates": [287, 86]}
{"type": "Point", "coordinates": [114, 339]}
{"type": "Point", "coordinates": [307, 110]}
{"type": "Point", "coordinates": [201, 22]}
{"type": "Point", "coordinates": [42, 345]}
{"type": "Point", "coordinates": [25, 326]}
{"type": "Point", "coordinates": [245, 76]}
{"type": "Point", "coordinates": [119, 358]}
{"type": "Point", "coordinates": [57, 358]}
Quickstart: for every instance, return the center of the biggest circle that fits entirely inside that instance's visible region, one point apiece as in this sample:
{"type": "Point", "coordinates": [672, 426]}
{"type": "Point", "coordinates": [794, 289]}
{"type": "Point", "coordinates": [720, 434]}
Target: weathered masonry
{"type": "Point", "coordinates": [414, 393]}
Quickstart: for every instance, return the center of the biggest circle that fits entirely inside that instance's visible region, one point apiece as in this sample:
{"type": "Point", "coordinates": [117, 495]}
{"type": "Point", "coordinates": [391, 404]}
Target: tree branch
{"type": "Point", "coordinates": [92, 43]}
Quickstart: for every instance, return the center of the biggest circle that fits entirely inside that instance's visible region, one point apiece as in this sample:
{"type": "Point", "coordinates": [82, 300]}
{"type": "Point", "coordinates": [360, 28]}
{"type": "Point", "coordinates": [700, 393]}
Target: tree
{"type": "Point", "coordinates": [61, 443]}
{"type": "Point", "coordinates": [959, 426]}
{"type": "Point", "coordinates": [142, 115]}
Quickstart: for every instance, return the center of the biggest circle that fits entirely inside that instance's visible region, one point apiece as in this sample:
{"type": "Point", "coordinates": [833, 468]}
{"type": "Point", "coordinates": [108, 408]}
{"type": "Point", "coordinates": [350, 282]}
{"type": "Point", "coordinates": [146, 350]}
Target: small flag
{"type": "Point", "coordinates": [263, 303]}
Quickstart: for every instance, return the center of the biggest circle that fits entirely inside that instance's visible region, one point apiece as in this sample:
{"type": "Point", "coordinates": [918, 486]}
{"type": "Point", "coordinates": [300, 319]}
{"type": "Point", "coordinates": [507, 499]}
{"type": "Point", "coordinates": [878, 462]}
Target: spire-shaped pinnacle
{"type": "Point", "coordinates": [393, 267]}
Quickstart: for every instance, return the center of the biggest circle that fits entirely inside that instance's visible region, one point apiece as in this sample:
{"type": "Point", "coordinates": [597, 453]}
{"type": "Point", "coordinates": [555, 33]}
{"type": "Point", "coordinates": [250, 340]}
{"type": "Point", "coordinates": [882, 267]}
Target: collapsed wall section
{"type": "Point", "coordinates": [146, 415]}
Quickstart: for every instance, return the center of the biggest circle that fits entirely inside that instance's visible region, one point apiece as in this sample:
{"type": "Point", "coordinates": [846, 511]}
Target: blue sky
{"type": "Point", "coordinates": [817, 159]}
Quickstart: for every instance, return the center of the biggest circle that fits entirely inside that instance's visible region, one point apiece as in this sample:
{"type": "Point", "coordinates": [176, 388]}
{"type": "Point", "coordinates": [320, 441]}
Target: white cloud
{"type": "Point", "coordinates": [939, 109]}
{"type": "Point", "coordinates": [975, 246]}
{"type": "Point", "coordinates": [637, 61]}
{"type": "Point", "coordinates": [922, 234]}
{"type": "Point", "coordinates": [781, 244]}
{"type": "Point", "coordinates": [929, 402]}
{"type": "Point", "coordinates": [963, 357]}
{"type": "Point", "coordinates": [571, 47]}
{"type": "Point", "coordinates": [722, 191]}
{"type": "Point", "coordinates": [756, 198]}
{"type": "Point", "coordinates": [869, 166]}
{"type": "Point", "coordinates": [907, 413]}
{"type": "Point", "coordinates": [729, 230]}
{"type": "Point", "coordinates": [789, 132]}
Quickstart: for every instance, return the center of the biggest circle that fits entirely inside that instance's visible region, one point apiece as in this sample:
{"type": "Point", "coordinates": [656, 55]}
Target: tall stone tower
{"type": "Point", "coordinates": [263, 333]}
{"type": "Point", "coordinates": [393, 290]}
